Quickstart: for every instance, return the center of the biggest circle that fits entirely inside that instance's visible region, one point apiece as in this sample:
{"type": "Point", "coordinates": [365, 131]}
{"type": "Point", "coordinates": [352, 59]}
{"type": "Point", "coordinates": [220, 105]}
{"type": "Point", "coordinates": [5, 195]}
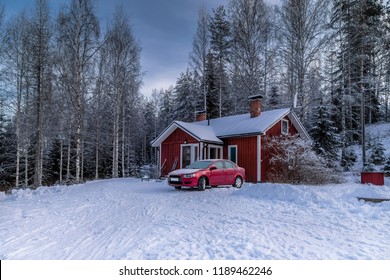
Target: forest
{"type": "Point", "coordinates": [71, 108]}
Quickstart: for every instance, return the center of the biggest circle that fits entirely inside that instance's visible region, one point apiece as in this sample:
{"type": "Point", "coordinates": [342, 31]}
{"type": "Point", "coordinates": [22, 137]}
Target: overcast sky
{"type": "Point", "coordinates": [164, 28]}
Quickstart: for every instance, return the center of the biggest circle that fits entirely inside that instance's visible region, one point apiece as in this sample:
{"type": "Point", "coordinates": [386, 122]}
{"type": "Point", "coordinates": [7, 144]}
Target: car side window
{"type": "Point", "coordinates": [219, 165]}
{"type": "Point", "coordinates": [229, 164]}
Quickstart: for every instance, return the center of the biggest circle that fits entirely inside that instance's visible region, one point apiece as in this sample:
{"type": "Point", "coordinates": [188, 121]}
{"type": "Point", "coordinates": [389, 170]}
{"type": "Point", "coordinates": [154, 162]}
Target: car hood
{"type": "Point", "coordinates": [183, 171]}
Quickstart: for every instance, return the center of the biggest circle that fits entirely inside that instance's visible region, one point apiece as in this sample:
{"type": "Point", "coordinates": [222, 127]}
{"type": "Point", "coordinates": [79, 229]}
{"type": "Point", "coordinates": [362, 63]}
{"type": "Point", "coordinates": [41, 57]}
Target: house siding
{"type": "Point", "coordinates": [246, 155]}
{"type": "Point", "coordinates": [275, 130]}
{"type": "Point", "coordinates": [170, 149]}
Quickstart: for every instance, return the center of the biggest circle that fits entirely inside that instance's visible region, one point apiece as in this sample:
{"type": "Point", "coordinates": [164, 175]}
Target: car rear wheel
{"type": "Point", "coordinates": [237, 182]}
{"type": "Point", "coordinates": [202, 183]}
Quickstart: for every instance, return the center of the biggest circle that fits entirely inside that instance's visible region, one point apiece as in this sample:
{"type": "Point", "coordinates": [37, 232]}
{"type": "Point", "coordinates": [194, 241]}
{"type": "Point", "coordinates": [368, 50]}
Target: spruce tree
{"type": "Point", "coordinates": [220, 44]}
{"type": "Point", "coordinates": [377, 152]}
{"type": "Point", "coordinates": [324, 135]}
{"type": "Point", "coordinates": [386, 167]}
{"type": "Point", "coordinates": [212, 86]}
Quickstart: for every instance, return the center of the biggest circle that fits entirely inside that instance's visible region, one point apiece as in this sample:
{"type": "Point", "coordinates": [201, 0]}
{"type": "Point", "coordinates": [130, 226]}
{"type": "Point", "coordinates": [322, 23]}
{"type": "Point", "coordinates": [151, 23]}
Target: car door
{"type": "Point", "coordinates": [230, 172]}
{"type": "Point", "coordinates": [217, 174]}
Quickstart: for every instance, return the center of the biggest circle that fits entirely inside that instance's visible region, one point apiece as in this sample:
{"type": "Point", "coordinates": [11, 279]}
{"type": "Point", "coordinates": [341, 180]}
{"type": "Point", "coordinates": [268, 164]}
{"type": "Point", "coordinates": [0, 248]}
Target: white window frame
{"type": "Point", "coordinates": [217, 147]}
{"type": "Point", "coordinates": [287, 125]}
{"type": "Point", "coordinates": [192, 153]}
{"type": "Point", "coordinates": [229, 152]}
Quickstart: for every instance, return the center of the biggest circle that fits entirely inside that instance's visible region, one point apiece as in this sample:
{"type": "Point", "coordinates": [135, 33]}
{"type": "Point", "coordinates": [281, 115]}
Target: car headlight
{"type": "Point", "coordinates": [192, 175]}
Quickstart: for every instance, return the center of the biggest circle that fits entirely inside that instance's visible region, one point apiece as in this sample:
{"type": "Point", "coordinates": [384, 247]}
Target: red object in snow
{"type": "Point", "coordinates": [375, 178]}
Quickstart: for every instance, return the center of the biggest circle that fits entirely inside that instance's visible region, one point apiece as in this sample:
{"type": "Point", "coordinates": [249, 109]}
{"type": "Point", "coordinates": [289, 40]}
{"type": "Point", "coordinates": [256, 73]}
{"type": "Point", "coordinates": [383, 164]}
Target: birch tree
{"type": "Point", "coordinates": [41, 52]}
{"type": "Point", "coordinates": [302, 34]}
{"type": "Point", "coordinates": [251, 31]}
{"type": "Point", "coordinates": [200, 48]}
{"type": "Point", "coordinates": [123, 54]}
{"type": "Point", "coordinates": [78, 29]}
{"type": "Point", "coordinates": [16, 56]}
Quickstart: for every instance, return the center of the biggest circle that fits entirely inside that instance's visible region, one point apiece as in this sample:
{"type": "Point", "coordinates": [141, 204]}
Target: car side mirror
{"type": "Point", "coordinates": [212, 168]}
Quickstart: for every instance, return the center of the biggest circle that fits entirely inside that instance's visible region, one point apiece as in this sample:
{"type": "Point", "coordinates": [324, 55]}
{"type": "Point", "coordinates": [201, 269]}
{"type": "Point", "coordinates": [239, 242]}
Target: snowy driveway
{"type": "Point", "coordinates": [127, 219]}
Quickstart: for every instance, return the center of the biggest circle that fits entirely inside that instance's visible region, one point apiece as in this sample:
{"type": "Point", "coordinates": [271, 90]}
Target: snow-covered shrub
{"type": "Point", "coordinates": [292, 160]}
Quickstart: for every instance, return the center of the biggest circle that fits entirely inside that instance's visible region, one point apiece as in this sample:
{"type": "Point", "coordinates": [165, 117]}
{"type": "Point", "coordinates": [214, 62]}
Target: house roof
{"type": "Point", "coordinates": [244, 124]}
{"type": "Point", "coordinates": [239, 125]}
{"type": "Point", "coordinates": [200, 132]}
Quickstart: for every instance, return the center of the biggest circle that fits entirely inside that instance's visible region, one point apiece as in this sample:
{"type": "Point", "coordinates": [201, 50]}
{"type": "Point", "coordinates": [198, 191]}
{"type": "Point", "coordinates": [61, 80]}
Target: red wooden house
{"type": "Point", "coordinates": [240, 138]}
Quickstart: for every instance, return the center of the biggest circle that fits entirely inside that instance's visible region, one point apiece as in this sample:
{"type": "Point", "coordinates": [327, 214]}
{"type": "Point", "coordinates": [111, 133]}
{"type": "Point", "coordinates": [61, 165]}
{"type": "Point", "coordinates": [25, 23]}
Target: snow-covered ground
{"type": "Point", "coordinates": [130, 219]}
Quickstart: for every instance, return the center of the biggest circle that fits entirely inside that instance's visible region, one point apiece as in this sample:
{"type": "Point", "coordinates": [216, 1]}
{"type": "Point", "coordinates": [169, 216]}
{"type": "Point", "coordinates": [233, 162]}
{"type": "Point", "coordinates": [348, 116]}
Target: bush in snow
{"type": "Point", "coordinates": [292, 160]}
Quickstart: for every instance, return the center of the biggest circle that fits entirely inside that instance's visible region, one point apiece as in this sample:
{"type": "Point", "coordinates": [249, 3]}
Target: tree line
{"type": "Point", "coordinates": [70, 104]}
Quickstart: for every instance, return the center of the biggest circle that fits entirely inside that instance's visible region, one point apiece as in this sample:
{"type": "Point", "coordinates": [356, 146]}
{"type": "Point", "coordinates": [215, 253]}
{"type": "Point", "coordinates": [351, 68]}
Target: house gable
{"type": "Point", "coordinates": [170, 151]}
{"type": "Point", "coordinates": [198, 132]}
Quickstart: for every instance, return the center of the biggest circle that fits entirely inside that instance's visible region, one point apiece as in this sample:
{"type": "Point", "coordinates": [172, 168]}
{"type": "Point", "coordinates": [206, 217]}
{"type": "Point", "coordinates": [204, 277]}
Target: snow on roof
{"type": "Point", "coordinates": [244, 124]}
{"type": "Point", "coordinates": [202, 133]}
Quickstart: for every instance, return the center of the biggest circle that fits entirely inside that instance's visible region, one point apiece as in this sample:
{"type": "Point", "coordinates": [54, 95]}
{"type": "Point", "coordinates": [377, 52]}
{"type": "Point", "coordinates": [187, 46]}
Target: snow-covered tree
{"type": "Point", "coordinates": [348, 159]}
{"type": "Point", "coordinates": [250, 49]}
{"type": "Point", "coordinates": [323, 133]}
{"type": "Point", "coordinates": [200, 48]}
{"type": "Point", "coordinates": [302, 35]}
{"type": "Point", "coordinates": [187, 93]}
{"type": "Point", "coordinates": [78, 33]}
{"type": "Point", "coordinates": [377, 156]}
{"type": "Point", "coordinates": [386, 167]}
{"type": "Point", "coordinates": [220, 44]}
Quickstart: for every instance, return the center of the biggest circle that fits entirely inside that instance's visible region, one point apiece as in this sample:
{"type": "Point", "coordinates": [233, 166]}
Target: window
{"type": "Point", "coordinates": [229, 164]}
{"type": "Point", "coordinates": [285, 127]}
{"type": "Point", "coordinates": [189, 154]}
{"type": "Point", "coordinates": [214, 152]}
{"type": "Point", "coordinates": [232, 153]}
{"type": "Point", "coordinates": [219, 165]}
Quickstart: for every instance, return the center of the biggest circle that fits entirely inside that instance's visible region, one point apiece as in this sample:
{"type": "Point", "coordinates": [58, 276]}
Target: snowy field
{"type": "Point", "coordinates": [129, 219]}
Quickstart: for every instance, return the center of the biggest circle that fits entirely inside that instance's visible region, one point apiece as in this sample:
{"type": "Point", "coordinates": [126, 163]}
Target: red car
{"type": "Point", "coordinates": [202, 173]}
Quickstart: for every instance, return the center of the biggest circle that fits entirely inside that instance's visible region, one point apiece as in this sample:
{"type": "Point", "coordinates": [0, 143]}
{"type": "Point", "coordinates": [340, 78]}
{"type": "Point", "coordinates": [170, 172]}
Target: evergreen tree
{"type": "Point", "coordinates": [323, 134]}
{"type": "Point", "coordinates": [386, 168]}
{"type": "Point", "coordinates": [212, 86]}
{"type": "Point", "coordinates": [377, 152]}
{"type": "Point", "coordinates": [274, 98]}
{"type": "Point", "coordinates": [186, 97]}
{"type": "Point", "coordinates": [166, 109]}
{"type": "Point", "coordinates": [220, 44]}
{"type": "Point", "coordinates": [7, 152]}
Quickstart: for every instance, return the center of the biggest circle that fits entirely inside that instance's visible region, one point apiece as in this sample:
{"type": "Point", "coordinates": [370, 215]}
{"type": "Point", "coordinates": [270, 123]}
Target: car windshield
{"type": "Point", "coordinates": [200, 164]}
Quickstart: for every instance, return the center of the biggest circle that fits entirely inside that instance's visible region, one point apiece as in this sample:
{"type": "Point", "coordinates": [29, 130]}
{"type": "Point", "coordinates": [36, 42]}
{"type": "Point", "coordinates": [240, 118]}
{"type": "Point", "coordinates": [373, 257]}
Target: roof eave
{"type": "Point", "coordinates": [240, 135]}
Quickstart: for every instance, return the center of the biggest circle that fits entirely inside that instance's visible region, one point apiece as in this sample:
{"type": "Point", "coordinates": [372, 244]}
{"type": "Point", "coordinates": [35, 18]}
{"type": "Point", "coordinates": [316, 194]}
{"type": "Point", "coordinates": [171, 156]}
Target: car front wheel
{"type": "Point", "coordinates": [238, 182]}
{"type": "Point", "coordinates": [202, 183]}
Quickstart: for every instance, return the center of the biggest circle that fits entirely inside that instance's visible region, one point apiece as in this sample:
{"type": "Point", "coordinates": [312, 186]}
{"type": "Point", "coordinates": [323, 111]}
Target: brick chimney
{"type": "Point", "coordinates": [201, 116]}
{"type": "Point", "coordinates": [255, 105]}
